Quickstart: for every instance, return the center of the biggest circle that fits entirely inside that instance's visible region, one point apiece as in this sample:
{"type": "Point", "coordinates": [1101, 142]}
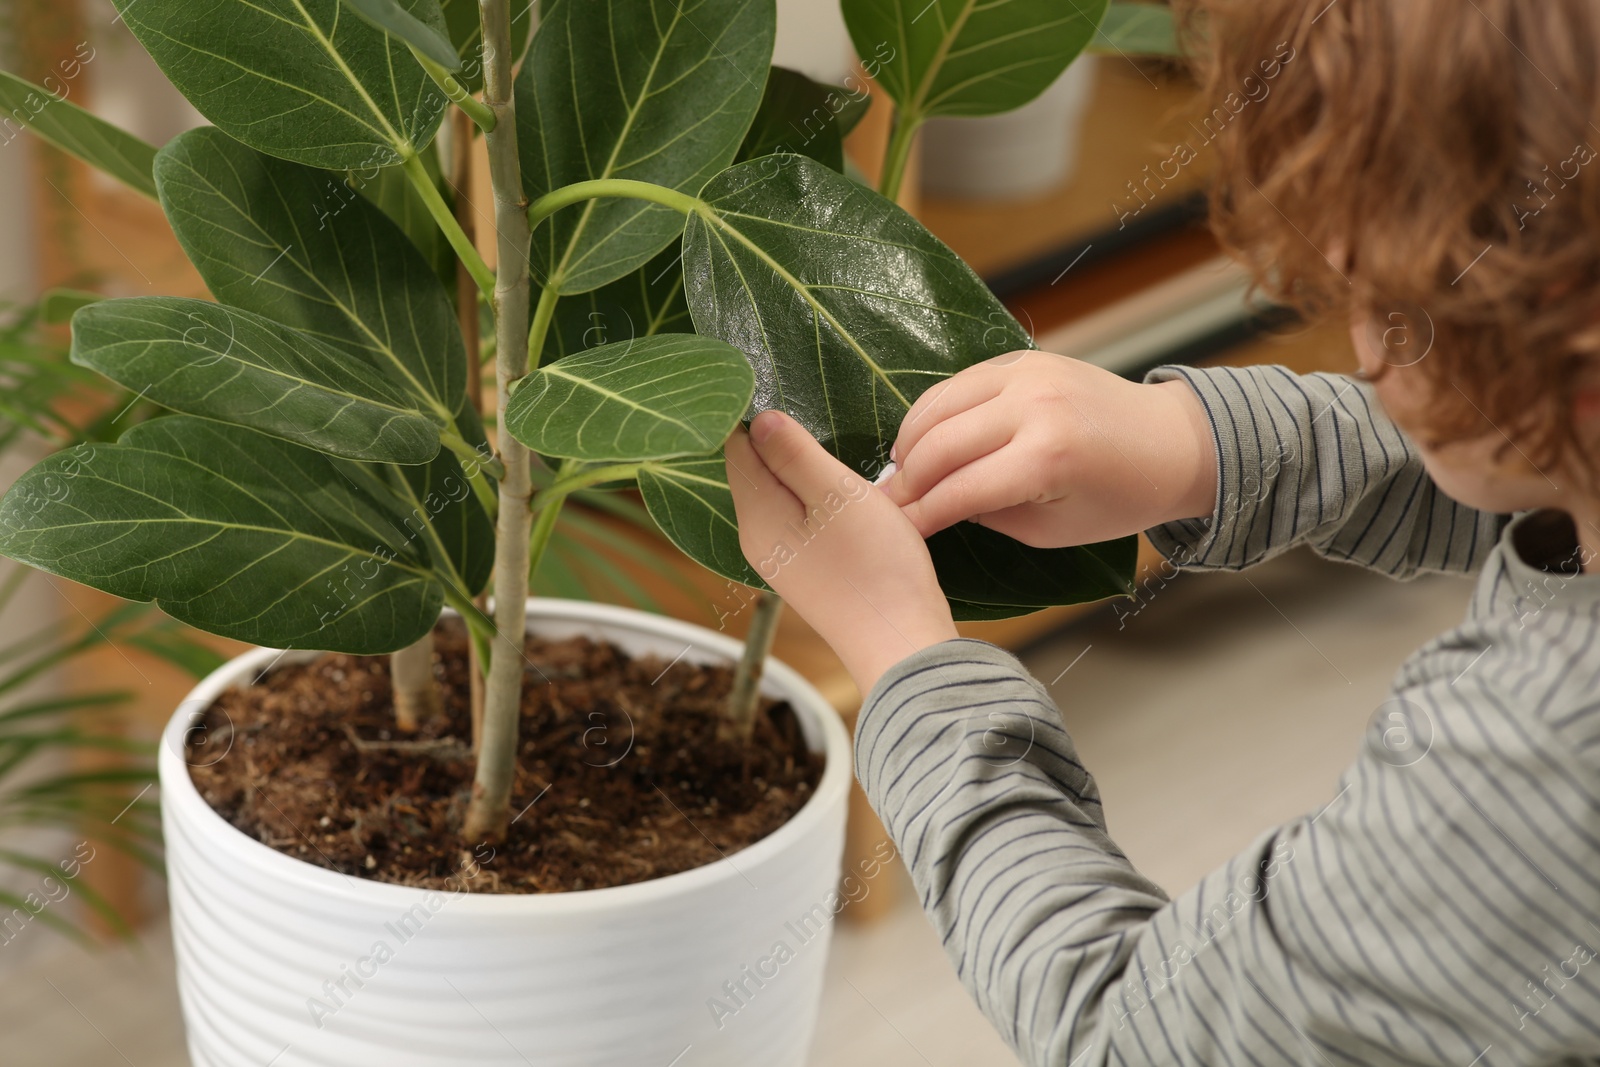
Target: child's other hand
{"type": "Point", "coordinates": [838, 550]}
{"type": "Point", "coordinates": [1053, 452]}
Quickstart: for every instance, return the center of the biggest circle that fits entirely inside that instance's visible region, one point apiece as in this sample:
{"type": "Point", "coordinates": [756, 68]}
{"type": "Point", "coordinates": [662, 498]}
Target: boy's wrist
{"type": "Point", "coordinates": [1194, 463]}
{"type": "Point", "coordinates": [869, 660]}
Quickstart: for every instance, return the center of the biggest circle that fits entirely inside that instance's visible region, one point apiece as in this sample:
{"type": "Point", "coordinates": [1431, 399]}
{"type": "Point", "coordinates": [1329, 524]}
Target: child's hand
{"type": "Point", "coordinates": [1053, 452]}
{"type": "Point", "coordinates": [835, 548]}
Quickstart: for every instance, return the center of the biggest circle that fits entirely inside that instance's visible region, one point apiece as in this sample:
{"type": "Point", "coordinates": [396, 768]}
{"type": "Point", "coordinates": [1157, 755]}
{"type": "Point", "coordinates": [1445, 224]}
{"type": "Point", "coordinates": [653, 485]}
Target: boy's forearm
{"type": "Point", "coordinates": [1313, 460]}
{"type": "Point", "coordinates": [963, 755]}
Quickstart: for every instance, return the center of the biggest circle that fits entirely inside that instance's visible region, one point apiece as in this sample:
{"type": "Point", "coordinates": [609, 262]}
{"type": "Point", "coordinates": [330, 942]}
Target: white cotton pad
{"type": "Point", "coordinates": [884, 475]}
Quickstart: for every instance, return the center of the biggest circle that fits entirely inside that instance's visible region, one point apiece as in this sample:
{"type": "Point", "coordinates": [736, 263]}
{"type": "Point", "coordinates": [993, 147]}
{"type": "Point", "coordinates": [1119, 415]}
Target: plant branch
{"type": "Point", "coordinates": [446, 221]}
{"type": "Point", "coordinates": [457, 93]}
{"type": "Point", "coordinates": [544, 527]}
{"type": "Point", "coordinates": [417, 698]}
{"type": "Point", "coordinates": [489, 812]}
{"type": "Point", "coordinates": [543, 315]}
{"type": "Point", "coordinates": [898, 155]}
{"type": "Point", "coordinates": [461, 169]}
{"type": "Point", "coordinates": [577, 193]}
{"type": "Point", "coordinates": [745, 697]}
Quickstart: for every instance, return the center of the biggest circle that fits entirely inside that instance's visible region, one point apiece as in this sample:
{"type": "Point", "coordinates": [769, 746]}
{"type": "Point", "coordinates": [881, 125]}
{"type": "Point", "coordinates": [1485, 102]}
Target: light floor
{"type": "Point", "coordinates": [1228, 704]}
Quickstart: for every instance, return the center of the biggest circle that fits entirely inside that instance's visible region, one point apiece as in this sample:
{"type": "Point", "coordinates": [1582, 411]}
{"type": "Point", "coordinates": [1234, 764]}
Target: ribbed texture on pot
{"type": "Point", "coordinates": [283, 963]}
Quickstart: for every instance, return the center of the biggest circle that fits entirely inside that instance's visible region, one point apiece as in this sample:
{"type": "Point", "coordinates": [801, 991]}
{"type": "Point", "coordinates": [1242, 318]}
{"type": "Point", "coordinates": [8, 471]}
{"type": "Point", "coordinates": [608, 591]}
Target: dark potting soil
{"type": "Point", "coordinates": [621, 776]}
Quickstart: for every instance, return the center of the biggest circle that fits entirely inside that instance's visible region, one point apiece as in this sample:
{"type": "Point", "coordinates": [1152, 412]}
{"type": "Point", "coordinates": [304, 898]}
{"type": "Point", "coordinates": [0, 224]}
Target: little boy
{"type": "Point", "coordinates": [1423, 168]}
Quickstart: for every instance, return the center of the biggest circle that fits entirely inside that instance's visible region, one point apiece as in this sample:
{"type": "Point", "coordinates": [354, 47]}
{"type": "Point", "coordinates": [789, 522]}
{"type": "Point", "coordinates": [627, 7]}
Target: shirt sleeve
{"type": "Point", "coordinates": [1437, 910]}
{"type": "Point", "coordinates": [1313, 459]}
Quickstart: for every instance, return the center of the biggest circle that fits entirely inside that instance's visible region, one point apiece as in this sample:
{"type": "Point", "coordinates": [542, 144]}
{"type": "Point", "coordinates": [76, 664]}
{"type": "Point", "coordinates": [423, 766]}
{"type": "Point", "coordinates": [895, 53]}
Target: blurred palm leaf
{"type": "Point", "coordinates": [43, 738]}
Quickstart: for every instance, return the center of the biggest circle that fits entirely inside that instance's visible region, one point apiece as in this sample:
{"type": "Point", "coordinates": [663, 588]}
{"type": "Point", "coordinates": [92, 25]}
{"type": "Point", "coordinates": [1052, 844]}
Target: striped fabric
{"type": "Point", "coordinates": [1442, 908]}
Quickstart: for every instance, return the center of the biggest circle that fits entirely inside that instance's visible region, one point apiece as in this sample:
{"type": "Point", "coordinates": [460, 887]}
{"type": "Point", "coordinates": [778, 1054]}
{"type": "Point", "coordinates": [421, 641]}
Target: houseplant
{"type": "Point", "coordinates": [327, 482]}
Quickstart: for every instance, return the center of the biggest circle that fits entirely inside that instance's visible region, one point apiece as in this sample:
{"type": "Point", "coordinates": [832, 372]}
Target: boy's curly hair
{"type": "Point", "coordinates": [1430, 161]}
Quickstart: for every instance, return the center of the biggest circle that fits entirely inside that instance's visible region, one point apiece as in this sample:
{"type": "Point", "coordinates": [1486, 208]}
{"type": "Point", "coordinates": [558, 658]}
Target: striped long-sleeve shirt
{"type": "Point", "coordinates": [1442, 908]}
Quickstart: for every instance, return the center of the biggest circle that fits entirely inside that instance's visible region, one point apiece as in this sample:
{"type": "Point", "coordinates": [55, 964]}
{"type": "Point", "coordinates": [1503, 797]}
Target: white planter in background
{"type": "Point", "coordinates": [1018, 154]}
{"type": "Point", "coordinates": [619, 977]}
{"type": "Point", "coordinates": [812, 39]}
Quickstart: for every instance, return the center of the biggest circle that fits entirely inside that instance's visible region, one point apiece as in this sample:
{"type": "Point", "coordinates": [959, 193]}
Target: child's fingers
{"type": "Point", "coordinates": [991, 483]}
{"type": "Point", "coordinates": [756, 490]}
{"type": "Point", "coordinates": [796, 459]}
{"type": "Point", "coordinates": [949, 446]}
{"type": "Point", "coordinates": [968, 389]}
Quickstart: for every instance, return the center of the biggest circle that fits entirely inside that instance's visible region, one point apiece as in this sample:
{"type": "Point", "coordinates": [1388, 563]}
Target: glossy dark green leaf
{"type": "Point", "coordinates": [431, 40]}
{"type": "Point", "coordinates": [440, 494]}
{"type": "Point", "coordinates": [969, 57]}
{"type": "Point", "coordinates": [300, 247]}
{"type": "Point", "coordinates": [1138, 30]}
{"type": "Point", "coordinates": [848, 310]}
{"type": "Point", "coordinates": [221, 363]}
{"type": "Point", "coordinates": [801, 116]}
{"type": "Point", "coordinates": [987, 575]}
{"type": "Point", "coordinates": [70, 128]}
{"type": "Point", "coordinates": [231, 531]}
{"type": "Point", "coordinates": [846, 306]}
{"type": "Point", "coordinates": [642, 399]}
{"type": "Point", "coordinates": [645, 303]}
{"type": "Point", "coordinates": [659, 91]}
{"type": "Point", "coordinates": [305, 80]}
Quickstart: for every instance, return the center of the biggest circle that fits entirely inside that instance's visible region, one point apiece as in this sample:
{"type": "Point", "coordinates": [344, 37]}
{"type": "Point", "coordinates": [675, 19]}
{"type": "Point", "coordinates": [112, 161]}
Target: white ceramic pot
{"type": "Point", "coordinates": [1013, 155]}
{"type": "Point", "coordinates": [721, 965]}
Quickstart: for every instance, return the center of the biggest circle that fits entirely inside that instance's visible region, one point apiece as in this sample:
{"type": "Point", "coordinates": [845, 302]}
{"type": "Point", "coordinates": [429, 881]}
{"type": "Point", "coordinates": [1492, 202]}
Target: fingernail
{"type": "Point", "coordinates": [765, 425]}
{"type": "Point", "coordinates": [894, 452]}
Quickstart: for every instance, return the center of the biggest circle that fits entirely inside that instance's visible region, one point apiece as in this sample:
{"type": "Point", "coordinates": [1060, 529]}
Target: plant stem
{"type": "Point", "coordinates": [577, 193]}
{"type": "Point", "coordinates": [740, 713]}
{"type": "Point", "coordinates": [477, 467]}
{"type": "Point", "coordinates": [543, 315]}
{"type": "Point", "coordinates": [543, 528]}
{"type": "Point", "coordinates": [416, 692]}
{"type": "Point", "coordinates": [570, 481]}
{"type": "Point", "coordinates": [489, 812]}
{"type": "Point", "coordinates": [457, 93]}
{"type": "Point", "coordinates": [467, 316]}
{"type": "Point", "coordinates": [465, 250]}
{"type": "Point", "coordinates": [898, 155]}
{"type": "Point", "coordinates": [467, 454]}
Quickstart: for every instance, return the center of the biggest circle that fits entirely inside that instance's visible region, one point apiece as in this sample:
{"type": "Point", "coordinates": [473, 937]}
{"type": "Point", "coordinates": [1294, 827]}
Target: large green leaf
{"type": "Point", "coordinates": [231, 531]}
{"type": "Point", "coordinates": [306, 80]}
{"type": "Point", "coordinates": [222, 363]}
{"type": "Point", "coordinates": [302, 248]}
{"type": "Point", "coordinates": [987, 575]}
{"type": "Point", "coordinates": [848, 310]}
{"type": "Point", "coordinates": [969, 57]}
{"type": "Point", "coordinates": [645, 303]}
{"type": "Point", "coordinates": [802, 116]}
{"type": "Point", "coordinates": [1138, 29]}
{"type": "Point", "coordinates": [439, 494]}
{"type": "Point", "coordinates": [658, 91]}
{"type": "Point", "coordinates": [846, 306]}
{"type": "Point", "coordinates": [650, 398]}
{"type": "Point", "coordinates": [75, 131]}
